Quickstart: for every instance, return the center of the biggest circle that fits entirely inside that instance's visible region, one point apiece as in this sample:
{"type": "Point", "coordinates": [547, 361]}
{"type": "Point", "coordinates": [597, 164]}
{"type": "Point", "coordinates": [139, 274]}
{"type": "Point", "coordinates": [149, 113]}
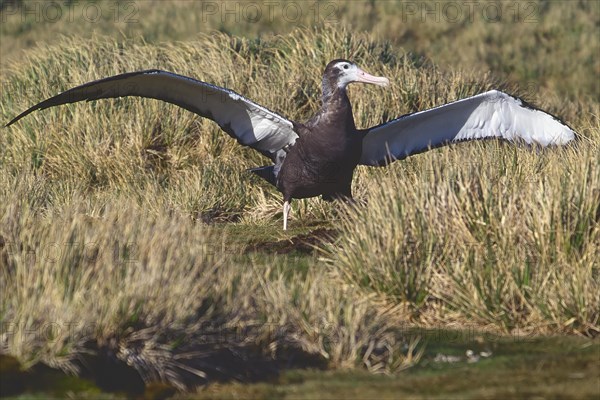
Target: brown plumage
{"type": "Point", "coordinates": [323, 159]}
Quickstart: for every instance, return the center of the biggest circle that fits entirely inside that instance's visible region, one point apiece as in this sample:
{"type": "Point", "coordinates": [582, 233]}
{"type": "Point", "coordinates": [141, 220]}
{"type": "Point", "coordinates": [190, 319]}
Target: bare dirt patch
{"type": "Point", "coordinates": [304, 243]}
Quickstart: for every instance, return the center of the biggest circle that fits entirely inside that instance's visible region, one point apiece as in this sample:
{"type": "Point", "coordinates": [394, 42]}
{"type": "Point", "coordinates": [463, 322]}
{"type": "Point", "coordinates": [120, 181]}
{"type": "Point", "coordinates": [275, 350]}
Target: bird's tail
{"type": "Point", "coordinates": [267, 173]}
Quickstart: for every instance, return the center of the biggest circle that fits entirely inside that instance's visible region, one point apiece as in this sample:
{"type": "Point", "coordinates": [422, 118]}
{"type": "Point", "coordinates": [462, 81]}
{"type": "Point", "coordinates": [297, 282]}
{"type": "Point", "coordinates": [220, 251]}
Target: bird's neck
{"type": "Point", "coordinates": [332, 91]}
{"type": "Point", "coordinates": [335, 103]}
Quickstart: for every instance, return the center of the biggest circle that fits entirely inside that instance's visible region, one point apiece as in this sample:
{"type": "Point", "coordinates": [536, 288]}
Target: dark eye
{"type": "Point", "coordinates": [346, 66]}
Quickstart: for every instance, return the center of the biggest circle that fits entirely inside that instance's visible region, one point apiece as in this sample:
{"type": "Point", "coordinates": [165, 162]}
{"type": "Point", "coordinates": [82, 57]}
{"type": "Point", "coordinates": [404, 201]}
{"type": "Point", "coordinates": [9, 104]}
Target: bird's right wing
{"type": "Point", "coordinates": [251, 124]}
{"type": "Point", "coordinates": [492, 114]}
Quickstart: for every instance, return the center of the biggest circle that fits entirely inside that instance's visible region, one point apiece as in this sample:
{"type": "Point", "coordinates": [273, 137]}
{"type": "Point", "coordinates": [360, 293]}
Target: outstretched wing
{"type": "Point", "coordinates": [487, 115]}
{"type": "Point", "coordinates": [251, 124]}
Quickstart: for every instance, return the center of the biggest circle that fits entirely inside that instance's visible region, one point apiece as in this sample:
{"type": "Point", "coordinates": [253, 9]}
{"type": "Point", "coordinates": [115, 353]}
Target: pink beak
{"type": "Point", "coordinates": [368, 78]}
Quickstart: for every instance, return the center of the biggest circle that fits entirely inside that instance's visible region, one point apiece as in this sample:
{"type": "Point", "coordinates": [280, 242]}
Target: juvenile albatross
{"type": "Point", "coordinates": [318, 158]}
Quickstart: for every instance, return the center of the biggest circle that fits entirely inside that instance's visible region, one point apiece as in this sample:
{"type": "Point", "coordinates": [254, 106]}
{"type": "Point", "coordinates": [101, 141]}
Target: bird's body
{"type": "Point", "coordinates": [318, 158]}
{"type": "Point", "coordinates": [323, 159]}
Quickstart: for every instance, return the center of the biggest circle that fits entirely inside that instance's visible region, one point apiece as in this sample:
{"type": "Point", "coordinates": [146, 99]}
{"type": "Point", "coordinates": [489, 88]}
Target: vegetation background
{"type": "Point", "coordinates": [130, 231]}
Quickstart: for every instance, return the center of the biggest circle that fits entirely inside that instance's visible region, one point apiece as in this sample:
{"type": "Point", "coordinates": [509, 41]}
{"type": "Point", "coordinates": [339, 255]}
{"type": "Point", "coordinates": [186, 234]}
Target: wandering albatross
{"type": "Point", "coordinates": [318, 158]}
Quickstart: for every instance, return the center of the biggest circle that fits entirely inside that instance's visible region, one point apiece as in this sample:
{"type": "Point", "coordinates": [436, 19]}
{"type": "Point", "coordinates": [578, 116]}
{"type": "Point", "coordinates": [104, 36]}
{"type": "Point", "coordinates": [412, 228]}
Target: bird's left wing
{"type": "Point", "coordinates": [487, 115]}
{"type": "Point", "coordinates": [251, 124]}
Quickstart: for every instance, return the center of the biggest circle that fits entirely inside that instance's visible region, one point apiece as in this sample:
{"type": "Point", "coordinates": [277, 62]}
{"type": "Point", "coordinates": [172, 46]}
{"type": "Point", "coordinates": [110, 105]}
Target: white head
{"type": "Point", "coordinates": [346, 72]}
{"type": "Point", "coordinates": [340, 73]}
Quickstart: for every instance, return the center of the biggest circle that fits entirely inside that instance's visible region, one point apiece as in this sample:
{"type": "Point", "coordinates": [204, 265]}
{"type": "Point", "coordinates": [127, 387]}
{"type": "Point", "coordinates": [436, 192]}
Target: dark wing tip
{"type": "Point", "coordinates": [24, 113]}
{"type": "Point", "coordinates": [39, 106]}
{"type": "Point", "coordinates": [58, 99]}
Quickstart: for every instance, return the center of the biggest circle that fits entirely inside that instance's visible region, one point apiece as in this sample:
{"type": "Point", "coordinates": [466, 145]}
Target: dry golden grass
{"type": "Point", "coordinates": [167, 297]}
{"type": "Point", "coordinates": [138, 170]}
{"type": "Point", "coordinates": [481, 234]}
{"type": "Point", "coordinates": [533, 43]}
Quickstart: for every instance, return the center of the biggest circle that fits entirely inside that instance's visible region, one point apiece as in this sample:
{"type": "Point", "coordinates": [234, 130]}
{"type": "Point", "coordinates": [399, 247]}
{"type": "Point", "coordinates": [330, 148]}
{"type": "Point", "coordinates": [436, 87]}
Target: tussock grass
{"type": "Point", "coordinates": [166, 297]}
{"type": "Point", "coordinates": [484, 234]}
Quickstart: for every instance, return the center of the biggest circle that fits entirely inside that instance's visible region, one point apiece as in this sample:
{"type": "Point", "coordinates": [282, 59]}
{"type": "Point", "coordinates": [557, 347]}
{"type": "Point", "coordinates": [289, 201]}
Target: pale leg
{"type": "Point", "coordinates": [286, 210]}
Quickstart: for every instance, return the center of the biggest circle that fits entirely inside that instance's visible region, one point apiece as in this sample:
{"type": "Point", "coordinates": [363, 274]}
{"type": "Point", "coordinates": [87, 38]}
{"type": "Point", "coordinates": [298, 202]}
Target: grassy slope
{"type": "Point", "coordinates": [511, 40]}
{"type": "Point", "coordinates": [527, 262]}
